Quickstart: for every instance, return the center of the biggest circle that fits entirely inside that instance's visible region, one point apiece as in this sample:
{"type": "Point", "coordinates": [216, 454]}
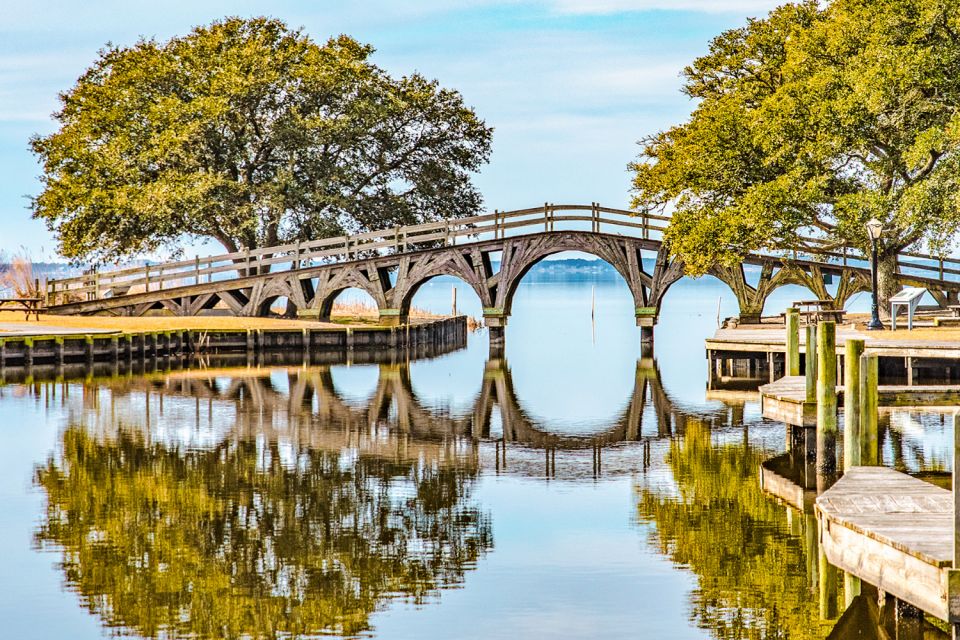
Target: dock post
{"type": "Point", "coordinates": [827, 586]}
{"type": "Point", "coordinates": [851, 588]}
{"type": "Point", "coordinates": [869, 374]}
{"type": "Point", "coordinates": [953, 576]}
{"type": "Point", "coordinates": [793, 342]}
{"type": "Point", "coordinates": [851, 404]}
{"type": "Point", "coordinates": [851, 436]}
{"type": "Point", "coordinates": [810, 367]}
{"type": "Point", "coordinates": [826, 404]}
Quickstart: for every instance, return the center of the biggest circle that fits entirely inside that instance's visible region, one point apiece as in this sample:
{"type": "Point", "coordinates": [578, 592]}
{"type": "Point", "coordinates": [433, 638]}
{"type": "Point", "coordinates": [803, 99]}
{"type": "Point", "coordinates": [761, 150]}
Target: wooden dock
{"type": "Point", "coordinates": [774, 340]}
{"type": "Point", "coordinates": [786, 399]}
{"type": "Point", "coordinates": [895, 532]}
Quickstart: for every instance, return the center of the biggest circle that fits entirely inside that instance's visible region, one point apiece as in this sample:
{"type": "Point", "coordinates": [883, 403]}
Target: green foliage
{"type": "Point", "coordinates": [229, 543]}
{"type": "Point", "coordinates": [812, 121]}
{"type": "Point", "coordinates": [250, 133]}
{"type": "Point", "coordinates": [719, 523]}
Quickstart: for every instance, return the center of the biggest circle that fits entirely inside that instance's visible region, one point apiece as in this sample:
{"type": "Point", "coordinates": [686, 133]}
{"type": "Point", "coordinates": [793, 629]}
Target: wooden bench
{"type": "Point", "coordinates": [29, 305]}
{"type": "Point", "coordinates": [908, 297]}
{"type": "Point", "coordinates": [815, 310]}
{"type": "Point", "coordinates": [946, 321]}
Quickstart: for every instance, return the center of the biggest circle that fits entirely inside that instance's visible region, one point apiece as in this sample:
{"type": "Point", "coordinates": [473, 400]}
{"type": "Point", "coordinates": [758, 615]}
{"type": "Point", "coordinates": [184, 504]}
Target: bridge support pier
{"type": "Point", "coordinates": [646, 320]}
{"type": "Point", "coordinates": [496, 324]}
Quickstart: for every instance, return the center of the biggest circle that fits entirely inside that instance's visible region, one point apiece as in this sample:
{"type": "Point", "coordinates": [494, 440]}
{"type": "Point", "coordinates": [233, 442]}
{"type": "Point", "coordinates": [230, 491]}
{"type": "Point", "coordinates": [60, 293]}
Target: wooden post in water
{"type": "Point", "coordinates": [851, 404]}
{"type": "Point", "coordinates": [453, 294]}
{"type": "Point", "coordinates": [869, 374]}
{"type": "Point", "coordinates": [827, 587]}
{"type": "Point", "coordinates": [793, 342]}
{"type": "Point", "coordinates": [810, 368]}
{"type": "Point", "coordinates": [826, 404]}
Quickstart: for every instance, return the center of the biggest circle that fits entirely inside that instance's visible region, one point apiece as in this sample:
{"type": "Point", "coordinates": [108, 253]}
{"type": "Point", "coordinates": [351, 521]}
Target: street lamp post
{"type": "Point", "coordinates": [874, 229]}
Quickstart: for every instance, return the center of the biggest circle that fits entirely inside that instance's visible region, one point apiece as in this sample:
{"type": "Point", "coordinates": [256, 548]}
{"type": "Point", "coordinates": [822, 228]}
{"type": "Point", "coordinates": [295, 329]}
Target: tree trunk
{"type": "Point", "coordinates": [887, 285]}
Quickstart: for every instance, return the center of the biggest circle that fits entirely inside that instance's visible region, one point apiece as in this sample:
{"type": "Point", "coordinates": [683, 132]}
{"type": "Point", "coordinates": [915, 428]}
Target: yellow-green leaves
{"type": "Point", "coordinates": [250, 133]}
{"type": "Point", "coordinates": [812, 121]}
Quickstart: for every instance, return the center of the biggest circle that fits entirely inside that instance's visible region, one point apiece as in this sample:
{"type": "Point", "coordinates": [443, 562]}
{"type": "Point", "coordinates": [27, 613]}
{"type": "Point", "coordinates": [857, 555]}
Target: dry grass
{"type": "Point", "coordinates": [348, 314]}
{"type": "Point", "coordinates": [157, 323]}
{"type": "Point", "coordinates": [18, 277]}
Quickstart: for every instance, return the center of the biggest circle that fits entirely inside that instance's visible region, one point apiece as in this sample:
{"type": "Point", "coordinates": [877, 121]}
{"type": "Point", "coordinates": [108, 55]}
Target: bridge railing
{"type": "Point", "coordinates": [299, 255]}
{"type": "Point", "coordinates": [499, 224]}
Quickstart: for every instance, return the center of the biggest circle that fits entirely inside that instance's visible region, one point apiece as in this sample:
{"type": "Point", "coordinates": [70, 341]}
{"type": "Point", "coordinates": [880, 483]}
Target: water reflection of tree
{"type": "Point", "coordinates": [231, 542]}
{"type": "Point", "coordinates": [750, 569]}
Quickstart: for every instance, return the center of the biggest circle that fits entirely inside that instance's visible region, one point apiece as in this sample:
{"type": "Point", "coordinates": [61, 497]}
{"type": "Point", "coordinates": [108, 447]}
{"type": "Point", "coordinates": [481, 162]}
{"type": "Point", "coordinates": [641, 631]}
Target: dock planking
{"type": "Point", "coordinates": [893, 531]}
{"type": "Point", "coordinates": [786, 399]}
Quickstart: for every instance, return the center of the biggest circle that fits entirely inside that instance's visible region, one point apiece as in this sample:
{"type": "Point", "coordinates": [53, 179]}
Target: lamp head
{"type": "Point", "coordinates": [874, 228]}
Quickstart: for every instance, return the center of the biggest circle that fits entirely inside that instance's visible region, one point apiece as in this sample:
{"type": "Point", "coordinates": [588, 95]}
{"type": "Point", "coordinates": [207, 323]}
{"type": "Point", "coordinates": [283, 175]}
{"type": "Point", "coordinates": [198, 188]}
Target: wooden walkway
{"type": "Point", "coordinates": [786, 399]}
{"type": "Point", "coordinates": [892, 531]}
{"type": "Point", "coordinates": [774, 340]}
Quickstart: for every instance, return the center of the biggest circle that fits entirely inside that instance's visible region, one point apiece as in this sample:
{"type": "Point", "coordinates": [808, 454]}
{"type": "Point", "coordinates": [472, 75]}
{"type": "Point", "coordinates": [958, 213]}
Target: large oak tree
{"type": "Point", "coordinates": [250, 133]}
{"type": "Point", "coordinates": [811, 121]}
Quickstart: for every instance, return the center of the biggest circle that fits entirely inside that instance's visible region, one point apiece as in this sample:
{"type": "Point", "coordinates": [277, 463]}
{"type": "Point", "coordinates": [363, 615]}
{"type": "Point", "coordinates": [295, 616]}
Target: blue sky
{"type": "Point", "coordinates": [568, 85]}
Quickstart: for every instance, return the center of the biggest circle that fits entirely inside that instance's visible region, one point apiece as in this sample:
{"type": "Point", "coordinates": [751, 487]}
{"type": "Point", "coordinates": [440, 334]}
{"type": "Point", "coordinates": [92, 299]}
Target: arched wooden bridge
{"type": "Point", "coordinates": [391, 265]}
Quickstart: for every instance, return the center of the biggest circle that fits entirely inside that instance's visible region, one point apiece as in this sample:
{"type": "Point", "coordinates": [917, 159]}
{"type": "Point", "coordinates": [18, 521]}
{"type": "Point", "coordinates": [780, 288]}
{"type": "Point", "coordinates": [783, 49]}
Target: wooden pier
{"type": "Point", "coordinates": [786, 399]}
{"type": "Point", "coordinates": [895, 532]}
{"type": "Point", "coordinates": [740, 357]}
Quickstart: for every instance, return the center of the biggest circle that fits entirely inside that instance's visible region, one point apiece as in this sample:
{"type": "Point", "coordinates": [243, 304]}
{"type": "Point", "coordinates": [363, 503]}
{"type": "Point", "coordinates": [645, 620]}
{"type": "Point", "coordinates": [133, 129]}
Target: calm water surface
{"type": "Point", "coordinates": [571, 489]}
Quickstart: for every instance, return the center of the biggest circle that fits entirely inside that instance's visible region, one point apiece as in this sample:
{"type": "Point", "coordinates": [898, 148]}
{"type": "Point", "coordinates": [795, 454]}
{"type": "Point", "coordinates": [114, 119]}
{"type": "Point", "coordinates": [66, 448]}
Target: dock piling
{"type": "Point", "coordinates": [810, 368]}
{"type": "Point", "coordinates": [826, 404]}
{"type": "Point", "coordinates": [851, 404]}
{"type": "Point", "coordinates": [793, 341]}
{"type": "Point", "coordinates": [869, 374]}
{"type": "Point", "coordinates": [953, 576]}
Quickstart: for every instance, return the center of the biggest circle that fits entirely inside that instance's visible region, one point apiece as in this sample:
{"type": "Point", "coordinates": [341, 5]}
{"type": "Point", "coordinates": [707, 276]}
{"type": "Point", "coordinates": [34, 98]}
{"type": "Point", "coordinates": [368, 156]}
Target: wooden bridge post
{"type": "Point", "coordinates": [793, 342]}
{"type": "Point", "coordinates": [810, 363]}
{"type": "Point", "coordinates": [826, 404]}
{"type": "Point", "coordinates": [851, 404]}
{"type": "Point", "coordinates": [869, 373]}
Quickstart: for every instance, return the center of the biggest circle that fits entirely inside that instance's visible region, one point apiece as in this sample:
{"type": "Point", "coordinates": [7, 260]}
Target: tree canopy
{"type": "Point", "coordinates": [251, 134]}
{"type": "Point", "coordinates": [811, 121]}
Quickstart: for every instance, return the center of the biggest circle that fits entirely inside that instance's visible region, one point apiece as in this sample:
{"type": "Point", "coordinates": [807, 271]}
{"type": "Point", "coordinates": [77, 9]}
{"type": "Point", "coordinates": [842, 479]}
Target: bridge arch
{"type": "Point", "coordinates": [409, 292]}
{"type": "Point", "coordinates": [812, 276]}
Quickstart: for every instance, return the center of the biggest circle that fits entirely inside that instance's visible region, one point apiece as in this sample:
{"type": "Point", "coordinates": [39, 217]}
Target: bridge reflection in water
{"type": "Point", "coordinates": [266, 501]}
{"type": "Point", "coordinates": [302, 407]}
{"type": "Point", "coordinates": [262, 502]}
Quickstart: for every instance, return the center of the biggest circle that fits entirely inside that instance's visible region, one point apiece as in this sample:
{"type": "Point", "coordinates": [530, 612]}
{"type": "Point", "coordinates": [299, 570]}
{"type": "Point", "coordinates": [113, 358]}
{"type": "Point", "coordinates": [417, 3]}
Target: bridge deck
{"type": "Point", "coordinates": [786, 399]}
{"type": "Point", "coordinates": [893, 531]}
